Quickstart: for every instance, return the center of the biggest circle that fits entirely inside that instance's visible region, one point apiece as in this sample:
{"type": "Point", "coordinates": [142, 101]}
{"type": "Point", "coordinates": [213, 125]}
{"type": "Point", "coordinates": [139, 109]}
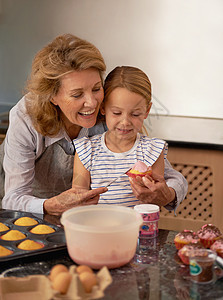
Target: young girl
{"type": "Point", "coordinates": [107, 156]}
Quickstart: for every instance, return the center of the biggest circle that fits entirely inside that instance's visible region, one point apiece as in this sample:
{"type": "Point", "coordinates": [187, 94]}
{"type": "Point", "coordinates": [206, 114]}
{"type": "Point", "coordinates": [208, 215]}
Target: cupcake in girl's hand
{"type": "Point", "coordinates": [208, 234]}
{"type": "Point", "coordinates": [218, 247]}
{"type": "Point", "coordinates": [139, 169]}
{"type": "Point", "coordinates": [185, 237]}
{"type": "Point", "coordinates": [183, 253]}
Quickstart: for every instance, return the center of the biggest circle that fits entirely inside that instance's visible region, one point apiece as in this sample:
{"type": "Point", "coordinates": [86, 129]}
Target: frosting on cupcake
{"type": "Point", "coordinates": [218, 245]}
{"type": "Point", "coordinates": [139, 169]}
{"type": "Point", "coordinates": [209, 231]}
{"type": "Point", "coordinates": [183, 253]}
{"type": "Point", "coordinates": [187, 236]}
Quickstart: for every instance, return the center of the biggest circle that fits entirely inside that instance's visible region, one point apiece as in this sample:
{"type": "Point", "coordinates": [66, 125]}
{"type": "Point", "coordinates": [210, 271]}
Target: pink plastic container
{"type": "Point", "coordinates": [150, 214]}
{"type": "Point", "coordinates": [101, 235]}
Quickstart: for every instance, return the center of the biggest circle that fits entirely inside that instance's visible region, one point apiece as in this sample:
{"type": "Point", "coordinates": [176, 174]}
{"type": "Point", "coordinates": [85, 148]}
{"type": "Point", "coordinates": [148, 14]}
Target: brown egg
{"type": "Point", "coordinates": [88, 280]}
{"type": "Point", "coordinates": [56, 270]}
{"type": "Point", "coordinates": [62, 282]}
{"type": "Point", "coordinates": [82, 268]}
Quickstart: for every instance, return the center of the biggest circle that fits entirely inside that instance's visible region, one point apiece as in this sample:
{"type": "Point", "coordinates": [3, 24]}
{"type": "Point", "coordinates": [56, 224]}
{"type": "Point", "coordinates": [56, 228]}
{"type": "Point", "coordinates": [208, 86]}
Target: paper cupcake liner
{"type": "Point", "coordinates": [134, 175]}
{"type": "Point", "coordinates": [184, 258]}
{"type": "Point", "coordinates": [220, 253]}
{"type": "Point", "coordinates": [180, 244]}
{"type": "Point", "coordinates": [207, 243]}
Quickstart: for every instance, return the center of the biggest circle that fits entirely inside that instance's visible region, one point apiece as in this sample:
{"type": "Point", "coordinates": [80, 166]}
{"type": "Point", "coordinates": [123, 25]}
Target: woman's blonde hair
{"type": "Point", "coordinates": [131, 78]}
{"type": "Point", "coordinates": [66, 53]}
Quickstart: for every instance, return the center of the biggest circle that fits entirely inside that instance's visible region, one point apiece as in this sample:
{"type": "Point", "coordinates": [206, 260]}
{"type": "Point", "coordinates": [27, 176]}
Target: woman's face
{"type": "Point", "coordinates": [79, 98]}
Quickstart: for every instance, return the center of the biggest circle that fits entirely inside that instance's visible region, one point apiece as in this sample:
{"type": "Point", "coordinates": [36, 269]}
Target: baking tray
{"type": "Point", "coordinates": [52, 242]}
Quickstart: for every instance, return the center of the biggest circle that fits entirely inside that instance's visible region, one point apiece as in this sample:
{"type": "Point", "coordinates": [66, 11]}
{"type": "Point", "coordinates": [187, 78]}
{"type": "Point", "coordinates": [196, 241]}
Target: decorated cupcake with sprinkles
{"type": "Point", "coordinates": [185, 237]}
{"type": "Point", "coordinates": [208, 234]}
{"type": "Point", "coordinates": [218, 247]}
{"type": "Point", "coordinates": [183, 253]}
{"type": "Point", "coordinates": [139, 169]}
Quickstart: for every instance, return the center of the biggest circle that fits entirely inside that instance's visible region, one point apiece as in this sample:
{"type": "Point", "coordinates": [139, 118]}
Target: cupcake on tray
{"type": "Point", "coordinates": [13, 235]}
{"type": "Point", "coordinates": [5, 251]}
{"type": "Point", "coordinates": [208, 234]}
{"type": "Point", "coordinates": [25, 221]}
{"type": "Point", "coordinates": [183, 253]}
{"type": "Point", "coordinates": [30, 245]}
{"type": "Point", "coordinates": [184, 238]}
{"type": "Point", "coordinates": [139, 169]}
{"type": "Point", "coordinates": [3, 227]}
{"type": "Point", "coordinates": [218, 247]}
{"type": "Point", "coordinates": [42, 229]}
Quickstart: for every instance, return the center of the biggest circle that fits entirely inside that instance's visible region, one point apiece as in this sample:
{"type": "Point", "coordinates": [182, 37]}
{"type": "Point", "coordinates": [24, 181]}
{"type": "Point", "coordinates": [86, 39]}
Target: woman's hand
{"type": "Point", "coordinates": [72, 198]}
{"type": "Point", "coordinates": [152, 190]}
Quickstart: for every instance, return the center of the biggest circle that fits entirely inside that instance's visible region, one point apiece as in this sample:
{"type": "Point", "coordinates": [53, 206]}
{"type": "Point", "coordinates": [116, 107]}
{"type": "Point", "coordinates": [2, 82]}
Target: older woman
{"type": "Point", "coordinates": [63, 97]}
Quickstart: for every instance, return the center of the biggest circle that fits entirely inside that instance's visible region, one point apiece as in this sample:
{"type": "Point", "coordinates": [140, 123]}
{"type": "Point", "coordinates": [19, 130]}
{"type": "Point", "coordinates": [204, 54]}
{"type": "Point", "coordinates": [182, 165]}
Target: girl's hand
{"type": "Point", "coordinates": [152, 190]}
{"type": "Point", "coordinates": [72, 198]}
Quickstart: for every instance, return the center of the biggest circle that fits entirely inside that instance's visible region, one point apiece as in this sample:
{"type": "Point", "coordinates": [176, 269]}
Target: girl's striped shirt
{"type": "Point", "coordinates": [105, 165]}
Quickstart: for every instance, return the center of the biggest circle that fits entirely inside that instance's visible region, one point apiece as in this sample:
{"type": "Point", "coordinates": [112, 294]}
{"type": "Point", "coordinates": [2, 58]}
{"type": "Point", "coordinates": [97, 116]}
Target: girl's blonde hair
{"type": "Point", "coordinates": [131, 78]}
{"type": "Point", "coordinates": [66, 53]}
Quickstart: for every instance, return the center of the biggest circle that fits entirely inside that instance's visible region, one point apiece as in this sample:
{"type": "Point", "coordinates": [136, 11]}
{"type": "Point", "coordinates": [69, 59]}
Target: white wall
{"type": "Point", "coordinates": [178, 43]}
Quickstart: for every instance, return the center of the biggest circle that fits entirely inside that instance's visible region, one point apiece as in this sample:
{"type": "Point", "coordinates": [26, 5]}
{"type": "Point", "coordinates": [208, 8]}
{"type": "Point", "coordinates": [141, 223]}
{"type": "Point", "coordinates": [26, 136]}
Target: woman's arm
{"type": "Point", "coordinates": [20, 147]}
{"type": "Point", "coordinates": [23, 146]}
{"type": "Point", "coordinates": [177, 182]}
{"type": "Point", "coordinates": [158, 166]}
{"type": "Point", "coordinates": [81, 176]}
{"type": "Point", "coordinates": [166, 191]}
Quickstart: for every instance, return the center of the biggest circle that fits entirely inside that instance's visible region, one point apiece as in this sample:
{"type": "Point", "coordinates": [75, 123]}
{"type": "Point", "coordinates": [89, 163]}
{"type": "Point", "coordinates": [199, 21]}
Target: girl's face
{"type": "Point", "coordinates": [79, 98]}
{"type": "Point", "coordinates": [125, 112]}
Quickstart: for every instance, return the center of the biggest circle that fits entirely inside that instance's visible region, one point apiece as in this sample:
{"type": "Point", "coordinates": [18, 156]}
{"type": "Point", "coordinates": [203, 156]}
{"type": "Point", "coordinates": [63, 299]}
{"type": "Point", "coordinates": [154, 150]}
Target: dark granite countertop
{"type": "Point", "coordinates": [154, 273]}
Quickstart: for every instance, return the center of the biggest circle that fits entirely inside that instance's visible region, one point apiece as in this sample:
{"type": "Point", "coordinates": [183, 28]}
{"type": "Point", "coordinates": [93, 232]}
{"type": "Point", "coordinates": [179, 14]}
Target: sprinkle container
{"type": "Point", "coordinates": [150, 214]}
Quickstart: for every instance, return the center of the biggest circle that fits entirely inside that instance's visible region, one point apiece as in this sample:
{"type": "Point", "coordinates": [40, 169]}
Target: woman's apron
{"type": "Point", "coordinates": [53, 169]}
{"type": "Point", "coordinates": [53, 172]}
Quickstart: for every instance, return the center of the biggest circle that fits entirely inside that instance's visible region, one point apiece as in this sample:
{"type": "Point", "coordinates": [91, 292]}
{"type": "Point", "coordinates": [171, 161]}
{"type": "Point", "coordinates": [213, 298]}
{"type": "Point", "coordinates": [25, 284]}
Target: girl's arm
{"type": "Point", "coordinates": [81, 176]}
{"type": "Point", "coordinates": [158, 166]}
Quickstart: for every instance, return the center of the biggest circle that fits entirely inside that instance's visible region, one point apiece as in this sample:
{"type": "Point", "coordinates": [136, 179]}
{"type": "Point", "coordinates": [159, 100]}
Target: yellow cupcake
{"type": "Point", "coordinates": [42, 229]}
{"type": "Point", "coordinates": [3, 227]}
{"type": "Point", "coordinates": [25, 221]}
{"type": "Point", "coordinates": [30, 245]}
{"type": "Point", "coordinates": [13, 235]}
{"type": "Point", "coordinates": [4, 251]}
